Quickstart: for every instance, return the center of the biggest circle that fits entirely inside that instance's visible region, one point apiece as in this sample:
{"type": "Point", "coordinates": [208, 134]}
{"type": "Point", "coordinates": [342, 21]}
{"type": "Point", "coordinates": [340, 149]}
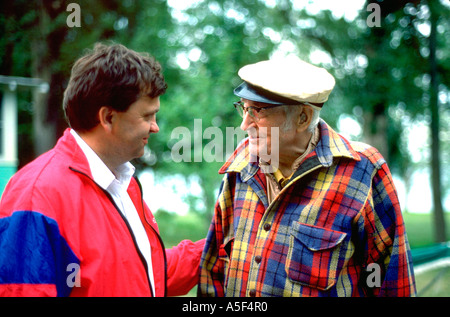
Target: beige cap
{"type": "Point", "coordinates": [290, 78]}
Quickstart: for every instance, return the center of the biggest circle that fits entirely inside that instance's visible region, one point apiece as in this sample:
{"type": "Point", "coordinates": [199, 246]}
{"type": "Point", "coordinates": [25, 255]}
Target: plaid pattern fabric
{"type": "Point", "coordinates": [338, 214]}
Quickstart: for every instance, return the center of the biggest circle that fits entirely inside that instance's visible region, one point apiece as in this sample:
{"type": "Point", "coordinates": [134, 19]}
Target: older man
{"type": "Point", "coordinates": [314, 215]}
{"type": "Point", "coordinates": [73, 222]}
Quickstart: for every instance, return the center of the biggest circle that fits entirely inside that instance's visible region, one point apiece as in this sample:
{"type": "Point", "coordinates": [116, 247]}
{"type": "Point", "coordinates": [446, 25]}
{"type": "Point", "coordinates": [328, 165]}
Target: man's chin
{"type": "Point", "coordinates": [139, 154]}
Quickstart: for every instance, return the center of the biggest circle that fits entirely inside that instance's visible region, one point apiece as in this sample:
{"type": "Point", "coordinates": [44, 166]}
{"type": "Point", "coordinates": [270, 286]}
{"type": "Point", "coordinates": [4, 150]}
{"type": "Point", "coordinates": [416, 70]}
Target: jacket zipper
{"type": "Point", "coordinates": [141, 256]}
{"type": "Point", "coordinates": [157, 235]}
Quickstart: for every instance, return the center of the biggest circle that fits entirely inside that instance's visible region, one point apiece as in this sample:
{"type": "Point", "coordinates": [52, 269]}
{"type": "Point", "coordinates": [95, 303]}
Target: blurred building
{"type": "Point", "coordinates": [8, 122]}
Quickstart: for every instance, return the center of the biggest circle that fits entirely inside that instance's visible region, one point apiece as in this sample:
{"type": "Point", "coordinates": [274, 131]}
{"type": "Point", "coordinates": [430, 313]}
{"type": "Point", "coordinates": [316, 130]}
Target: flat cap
{"type": "Point", "coordinates": [285, 81]}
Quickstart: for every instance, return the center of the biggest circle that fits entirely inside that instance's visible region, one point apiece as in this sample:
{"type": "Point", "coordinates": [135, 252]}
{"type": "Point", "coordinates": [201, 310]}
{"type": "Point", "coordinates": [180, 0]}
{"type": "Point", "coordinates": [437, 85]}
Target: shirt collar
{"type": "Point", "coordinates": [101, 174]}
{"type": "Point", "coordinates": [328, 146]}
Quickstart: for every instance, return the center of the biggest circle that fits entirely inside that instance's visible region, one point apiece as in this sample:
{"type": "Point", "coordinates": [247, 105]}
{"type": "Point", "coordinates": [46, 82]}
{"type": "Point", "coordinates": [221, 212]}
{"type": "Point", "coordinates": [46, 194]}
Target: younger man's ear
{"type": "Point", "coordinates": [106, 117]}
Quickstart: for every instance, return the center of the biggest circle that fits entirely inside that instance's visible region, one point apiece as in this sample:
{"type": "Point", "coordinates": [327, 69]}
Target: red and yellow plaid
{"type": "Point", "coordinates": [338, 214]}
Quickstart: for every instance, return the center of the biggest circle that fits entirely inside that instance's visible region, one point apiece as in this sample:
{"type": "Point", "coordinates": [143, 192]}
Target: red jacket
{"type": "Point", "coordinates": [56, 222]}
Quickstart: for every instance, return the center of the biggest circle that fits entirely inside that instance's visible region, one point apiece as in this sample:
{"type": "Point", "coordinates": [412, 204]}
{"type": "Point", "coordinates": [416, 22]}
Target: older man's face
{"type": "Point", "coordinates": [267, 136]}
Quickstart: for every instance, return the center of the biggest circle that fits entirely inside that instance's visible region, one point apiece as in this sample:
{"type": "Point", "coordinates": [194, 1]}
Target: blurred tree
{"type": "Point", "coordinates": [402, 56]}
{"type": "Point", "coordinates": [39, 43]}
{"type": "Point", "coordinates": [388, 77]}
{"type": "Point", "coordinates": [383, 73]}
{"type": "Point", "coordinates": [47, 35]}
{"type": "Point", "coordinates": [211, 41]}
{"type": "Point", "coordinates": [404, 74]}
{"type": "Point", "coordinates": [439, 220]}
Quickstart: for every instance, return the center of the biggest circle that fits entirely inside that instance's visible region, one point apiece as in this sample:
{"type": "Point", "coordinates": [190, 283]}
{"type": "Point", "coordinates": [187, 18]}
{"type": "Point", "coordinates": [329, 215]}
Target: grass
{"type": "Point", "coordinates": [174, 228]}
{"type": "Point", "coordinates": [420, 229]}
{"type": "Point", "coordinates": [434, 283]}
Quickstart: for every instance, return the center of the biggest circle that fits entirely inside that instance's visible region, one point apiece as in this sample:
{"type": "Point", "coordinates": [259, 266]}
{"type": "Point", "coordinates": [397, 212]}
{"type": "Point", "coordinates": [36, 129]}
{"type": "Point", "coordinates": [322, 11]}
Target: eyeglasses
{"type": "Point", "coordinates": [255, 112]}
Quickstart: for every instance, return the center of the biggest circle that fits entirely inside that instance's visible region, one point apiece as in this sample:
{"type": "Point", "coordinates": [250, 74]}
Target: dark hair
{"type": "Point", "coordinates": [113, 76]}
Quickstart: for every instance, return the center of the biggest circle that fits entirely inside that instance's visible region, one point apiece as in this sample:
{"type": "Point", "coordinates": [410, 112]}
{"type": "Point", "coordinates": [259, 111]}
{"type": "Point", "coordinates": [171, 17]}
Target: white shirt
{"type": "Point", "coordinates": [117, 187]}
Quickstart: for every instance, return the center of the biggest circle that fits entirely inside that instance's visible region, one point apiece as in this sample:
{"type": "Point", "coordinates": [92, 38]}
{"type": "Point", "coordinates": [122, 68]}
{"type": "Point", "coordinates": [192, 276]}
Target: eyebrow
{"type": "Point", "coordinates": [150, 113]}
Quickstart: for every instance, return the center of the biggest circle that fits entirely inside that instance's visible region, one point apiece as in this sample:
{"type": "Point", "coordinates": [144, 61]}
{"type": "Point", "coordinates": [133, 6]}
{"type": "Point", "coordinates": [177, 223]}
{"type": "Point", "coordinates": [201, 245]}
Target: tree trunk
{"type": "Point", "coordinates": [375, 132]}
{"type": "Point", "coordinates": [439, 220]}
{"type": "Point", "coordinates": [43, 130]}
{"type": "Point", "coordinates": [46, 47]}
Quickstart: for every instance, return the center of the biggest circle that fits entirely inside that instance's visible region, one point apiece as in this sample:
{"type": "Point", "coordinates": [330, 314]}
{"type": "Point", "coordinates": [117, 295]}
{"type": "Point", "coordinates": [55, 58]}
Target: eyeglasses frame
{"type": "Point", "coordinates": [240, 104]}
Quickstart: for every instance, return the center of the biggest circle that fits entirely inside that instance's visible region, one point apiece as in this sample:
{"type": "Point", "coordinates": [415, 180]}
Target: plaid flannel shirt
{"type": "Point", "coordinates": [335, 229]}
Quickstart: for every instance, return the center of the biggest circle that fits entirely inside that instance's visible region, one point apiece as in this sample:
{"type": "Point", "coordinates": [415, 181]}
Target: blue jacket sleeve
{"type": "Point", "coordinates": [35, 259]}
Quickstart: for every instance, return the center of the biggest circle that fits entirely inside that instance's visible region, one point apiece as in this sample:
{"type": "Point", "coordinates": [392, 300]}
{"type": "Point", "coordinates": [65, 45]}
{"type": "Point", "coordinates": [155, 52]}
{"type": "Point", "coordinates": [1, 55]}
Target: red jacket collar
{"type": "Point", "coordinates": [68, 146]}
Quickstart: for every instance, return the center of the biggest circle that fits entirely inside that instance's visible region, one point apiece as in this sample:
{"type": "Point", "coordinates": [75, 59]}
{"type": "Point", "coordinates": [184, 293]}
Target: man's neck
{"type": "Point", "coordinates": [289, 158]}
{"type": "Point", "coordinates": [101, 149]}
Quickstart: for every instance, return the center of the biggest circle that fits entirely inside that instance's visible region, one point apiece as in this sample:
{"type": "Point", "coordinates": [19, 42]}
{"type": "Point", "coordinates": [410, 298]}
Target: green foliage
{"type": "Point", "coordinates": [382, 73]}
{"type": "Point", "coordinates": [174, 228]}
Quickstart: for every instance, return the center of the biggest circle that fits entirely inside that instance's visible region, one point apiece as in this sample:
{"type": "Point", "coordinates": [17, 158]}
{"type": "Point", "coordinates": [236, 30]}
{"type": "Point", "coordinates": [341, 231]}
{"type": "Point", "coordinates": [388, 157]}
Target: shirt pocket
{"type": "Point", "coordinates": [314, 255]}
